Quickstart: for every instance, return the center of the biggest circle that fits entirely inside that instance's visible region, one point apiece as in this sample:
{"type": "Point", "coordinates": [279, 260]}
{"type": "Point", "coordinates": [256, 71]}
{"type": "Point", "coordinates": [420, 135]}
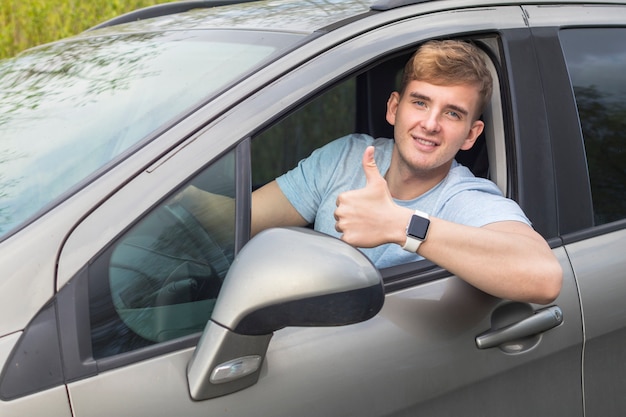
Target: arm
{"type": "Point", "coordinates": [506, 259]}
{"type": "Point", "coordinates": [270, 208]}
{"type": "Point", "coordinates": [215, 212]}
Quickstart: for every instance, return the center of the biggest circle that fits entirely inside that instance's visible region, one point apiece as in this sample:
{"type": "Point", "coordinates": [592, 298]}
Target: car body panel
{"type": "Point", "coordinates": [22, 275]}
{"type": "Point", "coordinates": [600, 269]}
{"type": "Point", "coordinates": [55, 399]}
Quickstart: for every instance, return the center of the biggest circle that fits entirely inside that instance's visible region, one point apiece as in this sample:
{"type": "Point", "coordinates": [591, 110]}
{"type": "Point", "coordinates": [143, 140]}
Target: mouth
{"type": "Point", "coordinates": [425, 142]}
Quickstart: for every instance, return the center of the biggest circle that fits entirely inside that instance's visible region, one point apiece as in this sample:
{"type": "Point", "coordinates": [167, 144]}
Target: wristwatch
{"type": "Point", "coordinates": [416, 231]}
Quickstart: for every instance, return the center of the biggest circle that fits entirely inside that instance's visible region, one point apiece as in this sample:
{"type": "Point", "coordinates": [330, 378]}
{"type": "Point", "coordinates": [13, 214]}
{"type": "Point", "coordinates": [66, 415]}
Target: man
{"type": "Point", "coordinates": [366, 191]}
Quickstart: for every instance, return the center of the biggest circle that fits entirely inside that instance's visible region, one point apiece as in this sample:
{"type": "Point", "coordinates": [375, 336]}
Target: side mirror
{"type": "Point", "coordinates": [282, 277]}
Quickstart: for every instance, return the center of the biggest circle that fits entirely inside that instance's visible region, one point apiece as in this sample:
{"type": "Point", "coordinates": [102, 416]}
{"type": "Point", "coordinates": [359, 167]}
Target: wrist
{"type": "Point", "coordinates": [401, 220]}
{"type": "Point", "coordinates": [416, 231]}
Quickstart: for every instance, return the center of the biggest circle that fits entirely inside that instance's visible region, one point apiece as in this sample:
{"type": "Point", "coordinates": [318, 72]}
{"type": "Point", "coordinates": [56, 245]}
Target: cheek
{"type": "Point", "coordinates": [406, 118]}
{"type": "Point", "coordinates": [460, 135]}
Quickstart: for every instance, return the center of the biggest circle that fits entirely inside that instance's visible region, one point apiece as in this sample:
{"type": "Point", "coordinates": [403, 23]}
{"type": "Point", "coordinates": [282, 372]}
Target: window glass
{"type": "Point", "coordinates": [69, 109]}
{"type": "Point", "coordinates": [596, 60]}
{"type": "Point", "coordinates": [160, 280]}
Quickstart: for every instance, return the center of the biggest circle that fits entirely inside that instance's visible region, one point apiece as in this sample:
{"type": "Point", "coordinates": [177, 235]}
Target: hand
{"type": "Point", "coordinates": [369, 217]}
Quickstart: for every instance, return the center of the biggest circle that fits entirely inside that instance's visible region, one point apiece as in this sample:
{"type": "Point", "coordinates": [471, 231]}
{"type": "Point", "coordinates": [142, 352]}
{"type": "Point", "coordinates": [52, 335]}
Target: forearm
{"type": "Point", "coordinates": [215, 212]}
{"type": "Point", "coordinates": [506, 259]}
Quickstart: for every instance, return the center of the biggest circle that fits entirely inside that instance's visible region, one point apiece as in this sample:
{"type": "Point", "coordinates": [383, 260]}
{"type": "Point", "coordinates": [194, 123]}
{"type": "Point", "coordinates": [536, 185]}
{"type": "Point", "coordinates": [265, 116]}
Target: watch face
{"type": "Point", "coordinates": [418, 227]}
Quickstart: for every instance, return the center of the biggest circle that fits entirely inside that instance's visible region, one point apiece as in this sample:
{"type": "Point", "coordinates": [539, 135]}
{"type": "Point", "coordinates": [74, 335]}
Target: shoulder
{"type": "Point", "coordinates": [357, 141]}
{"type": "Point", "coordinates": [475, 201]}
{"type": "Point", "coordinates": [461, 179]}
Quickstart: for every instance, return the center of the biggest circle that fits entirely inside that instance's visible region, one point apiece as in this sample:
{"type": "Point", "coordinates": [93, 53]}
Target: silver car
{"type": "Point", "coordinates": [114, 301]}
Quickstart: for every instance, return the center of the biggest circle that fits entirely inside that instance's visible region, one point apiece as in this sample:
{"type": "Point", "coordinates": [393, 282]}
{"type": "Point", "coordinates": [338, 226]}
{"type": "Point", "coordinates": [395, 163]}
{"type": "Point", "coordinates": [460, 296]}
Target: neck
{"type": "Point", "coordinates": [407, 183]}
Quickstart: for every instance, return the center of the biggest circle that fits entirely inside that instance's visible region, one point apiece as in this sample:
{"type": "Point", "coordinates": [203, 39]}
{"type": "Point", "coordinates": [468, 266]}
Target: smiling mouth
{"type": "Point", "coordinates": [425, 142]}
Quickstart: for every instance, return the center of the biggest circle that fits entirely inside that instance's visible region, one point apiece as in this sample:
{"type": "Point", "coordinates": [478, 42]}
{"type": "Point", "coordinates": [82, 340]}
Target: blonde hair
{"type": "Point", "coordinates": [450, 62]}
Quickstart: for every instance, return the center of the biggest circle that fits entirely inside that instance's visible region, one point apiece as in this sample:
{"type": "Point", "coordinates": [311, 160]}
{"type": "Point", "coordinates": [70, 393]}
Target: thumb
{"type": "Point", "coordinates": [369, 165]}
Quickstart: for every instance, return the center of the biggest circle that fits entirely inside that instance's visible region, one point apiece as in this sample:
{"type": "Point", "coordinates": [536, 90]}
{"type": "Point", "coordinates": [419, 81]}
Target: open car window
{"type": "Point", "coordinates": [357, 104]}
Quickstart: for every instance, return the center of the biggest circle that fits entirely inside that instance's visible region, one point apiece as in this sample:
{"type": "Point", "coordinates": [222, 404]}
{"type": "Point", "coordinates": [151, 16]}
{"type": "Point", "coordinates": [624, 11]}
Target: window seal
{"type": "Point", "coordinates": [243, 193]}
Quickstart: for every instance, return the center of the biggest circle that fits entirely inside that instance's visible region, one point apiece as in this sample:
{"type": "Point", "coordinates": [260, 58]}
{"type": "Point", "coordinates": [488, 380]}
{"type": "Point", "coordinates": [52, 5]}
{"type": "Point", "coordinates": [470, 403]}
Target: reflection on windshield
{"type": "Point", "coordinates": [69, 109]}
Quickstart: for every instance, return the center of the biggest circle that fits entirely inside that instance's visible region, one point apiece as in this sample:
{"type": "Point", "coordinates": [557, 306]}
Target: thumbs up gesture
{"type": "Point", "coordinates": [369, 217]}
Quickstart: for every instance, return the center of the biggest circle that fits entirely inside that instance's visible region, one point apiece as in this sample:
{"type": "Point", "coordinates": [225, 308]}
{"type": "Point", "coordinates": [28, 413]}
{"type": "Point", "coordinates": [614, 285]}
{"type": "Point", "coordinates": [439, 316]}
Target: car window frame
{"type": "Point", "coordinates": [422, 271]}
{"type": "Point", "coordinates": [573, 188]}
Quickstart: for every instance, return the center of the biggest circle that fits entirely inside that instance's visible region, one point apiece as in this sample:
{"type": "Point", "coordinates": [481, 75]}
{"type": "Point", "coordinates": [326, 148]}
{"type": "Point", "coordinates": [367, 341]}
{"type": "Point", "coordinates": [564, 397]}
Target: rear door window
{"type": "Point", "coordinates": [596, 60]}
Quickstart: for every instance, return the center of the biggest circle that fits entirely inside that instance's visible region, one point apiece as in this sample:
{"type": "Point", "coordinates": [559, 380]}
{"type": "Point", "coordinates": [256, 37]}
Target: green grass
{"type": "Point", "coordinates": [26, 23]}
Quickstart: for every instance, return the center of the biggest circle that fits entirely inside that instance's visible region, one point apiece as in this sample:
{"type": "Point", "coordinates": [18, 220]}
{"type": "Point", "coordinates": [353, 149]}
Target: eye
{"type": "Point", "coordinates": [453, 114]}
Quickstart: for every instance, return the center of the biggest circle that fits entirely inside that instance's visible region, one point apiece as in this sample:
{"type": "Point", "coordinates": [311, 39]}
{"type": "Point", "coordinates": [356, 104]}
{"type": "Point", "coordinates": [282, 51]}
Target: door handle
{"type": "Point", "coordinates": [541, 321]}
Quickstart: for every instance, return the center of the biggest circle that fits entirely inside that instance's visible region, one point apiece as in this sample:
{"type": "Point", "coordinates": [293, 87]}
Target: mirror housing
{"type": "Point", "coordinates": [282, 277]}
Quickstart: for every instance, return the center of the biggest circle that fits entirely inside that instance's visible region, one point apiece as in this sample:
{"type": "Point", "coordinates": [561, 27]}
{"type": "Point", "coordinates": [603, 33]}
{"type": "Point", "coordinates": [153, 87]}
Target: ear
{"type": "Point", "coordinates": [392, 107]}
{"type": "Point", "coordinates": [473, 134]}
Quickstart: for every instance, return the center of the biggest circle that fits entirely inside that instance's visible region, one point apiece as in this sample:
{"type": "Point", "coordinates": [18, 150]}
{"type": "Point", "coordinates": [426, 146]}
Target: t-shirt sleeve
{"type": "Point", "coordinates": [306, 184]}
{"type": "Point", "coordinates": [479, 207]}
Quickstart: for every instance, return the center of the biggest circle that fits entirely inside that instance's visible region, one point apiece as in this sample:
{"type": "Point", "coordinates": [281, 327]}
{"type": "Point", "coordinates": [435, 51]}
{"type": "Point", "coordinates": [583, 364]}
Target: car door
{"type": "Point", "coordinates": [126, 355]}
{"type": "Point", "coordinates": [588, 57]}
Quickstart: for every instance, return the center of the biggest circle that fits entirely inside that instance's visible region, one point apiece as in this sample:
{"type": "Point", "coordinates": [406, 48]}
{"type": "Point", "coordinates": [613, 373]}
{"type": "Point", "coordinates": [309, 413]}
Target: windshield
{"type": "Point", "coordinates": [69, 109]}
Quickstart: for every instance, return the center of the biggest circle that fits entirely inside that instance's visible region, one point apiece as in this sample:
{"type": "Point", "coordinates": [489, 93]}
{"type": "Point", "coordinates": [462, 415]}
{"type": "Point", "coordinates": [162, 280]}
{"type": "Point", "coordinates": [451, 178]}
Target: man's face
{"type": "Point", "coordinates": [431, 123]}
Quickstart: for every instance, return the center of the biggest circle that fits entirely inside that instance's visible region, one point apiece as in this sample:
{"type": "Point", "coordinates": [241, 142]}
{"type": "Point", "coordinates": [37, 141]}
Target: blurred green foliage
{"type": "Point", "coordinates": [279, 149]}
{"type": "Point", "coordinates": [27, 23]}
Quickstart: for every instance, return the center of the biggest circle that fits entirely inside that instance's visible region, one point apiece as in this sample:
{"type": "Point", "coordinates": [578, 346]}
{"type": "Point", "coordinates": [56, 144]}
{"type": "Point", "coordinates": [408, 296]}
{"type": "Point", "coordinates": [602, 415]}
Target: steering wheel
{"type": "Point", "coordinates": [189, 281]}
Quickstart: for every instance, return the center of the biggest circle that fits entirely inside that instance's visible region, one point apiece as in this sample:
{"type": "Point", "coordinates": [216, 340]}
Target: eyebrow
{"type": "Point", "coordinates": [454, 107]}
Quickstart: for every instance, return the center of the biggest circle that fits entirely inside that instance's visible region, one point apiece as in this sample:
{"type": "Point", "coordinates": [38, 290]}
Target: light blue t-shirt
{"type": "Point", "coordinates": [313, 186]}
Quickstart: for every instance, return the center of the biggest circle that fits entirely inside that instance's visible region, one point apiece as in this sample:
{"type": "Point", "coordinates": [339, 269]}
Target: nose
{"type": "Point", "coordinates": [430, 122]}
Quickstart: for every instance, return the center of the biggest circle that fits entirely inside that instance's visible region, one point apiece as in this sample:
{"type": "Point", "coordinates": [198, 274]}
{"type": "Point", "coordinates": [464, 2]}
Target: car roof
{"type": "Point", "coordinates": [302, 16]}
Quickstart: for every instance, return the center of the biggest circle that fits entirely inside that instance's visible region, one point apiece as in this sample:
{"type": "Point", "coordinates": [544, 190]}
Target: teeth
{"type": "Point", "coordinates": [426, 142]}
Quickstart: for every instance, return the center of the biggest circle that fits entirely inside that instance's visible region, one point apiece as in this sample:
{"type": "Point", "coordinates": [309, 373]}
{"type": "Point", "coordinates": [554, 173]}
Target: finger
{"type": "Point", "coordinates": [338, 227]}
{"type": "Point", "coordinates": [369, 165]}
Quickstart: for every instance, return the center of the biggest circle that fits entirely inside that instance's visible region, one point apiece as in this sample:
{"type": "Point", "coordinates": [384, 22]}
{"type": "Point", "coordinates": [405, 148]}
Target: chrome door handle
{"type": "Point", "coordinates": [541, 321]}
